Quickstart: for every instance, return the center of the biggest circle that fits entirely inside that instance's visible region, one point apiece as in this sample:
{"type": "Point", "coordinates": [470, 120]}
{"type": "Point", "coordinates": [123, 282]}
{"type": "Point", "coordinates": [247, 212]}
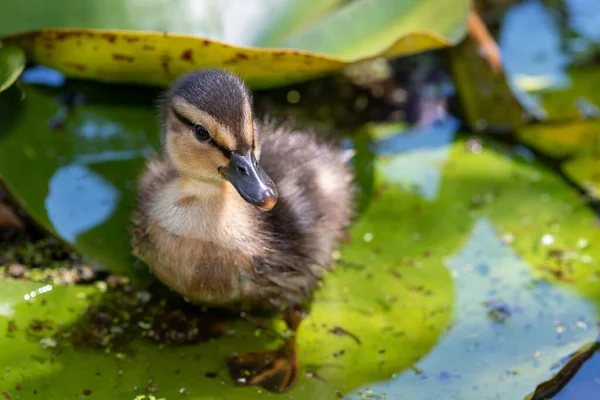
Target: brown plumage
{"type": "Point", "coordinates": [215, 228]}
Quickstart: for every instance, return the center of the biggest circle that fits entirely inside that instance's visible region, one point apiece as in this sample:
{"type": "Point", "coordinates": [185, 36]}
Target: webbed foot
{"type": "Point", "coordinates": [273, 370]}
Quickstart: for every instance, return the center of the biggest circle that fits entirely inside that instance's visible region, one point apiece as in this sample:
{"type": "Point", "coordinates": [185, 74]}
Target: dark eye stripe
{"type": "Point", "coordinates": [226, 152]}
{"type": "Point", "coordinates": [182, 119]}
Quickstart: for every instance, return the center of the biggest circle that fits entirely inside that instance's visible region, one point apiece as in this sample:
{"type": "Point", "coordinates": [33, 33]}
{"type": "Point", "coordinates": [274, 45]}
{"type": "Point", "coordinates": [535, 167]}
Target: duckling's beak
{"type": "Point", "coordinates": [251, 181]}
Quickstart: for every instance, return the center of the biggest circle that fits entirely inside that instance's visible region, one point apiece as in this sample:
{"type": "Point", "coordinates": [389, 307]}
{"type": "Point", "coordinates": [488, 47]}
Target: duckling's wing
{"type": "Point", "coordinates": [157, 174]}
{"type": "Point", "coordinates": [314, 185]}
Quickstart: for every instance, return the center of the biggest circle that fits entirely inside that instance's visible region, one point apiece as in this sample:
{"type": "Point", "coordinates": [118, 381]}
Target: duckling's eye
{"type": "Point", "coordinates": [201, 133]}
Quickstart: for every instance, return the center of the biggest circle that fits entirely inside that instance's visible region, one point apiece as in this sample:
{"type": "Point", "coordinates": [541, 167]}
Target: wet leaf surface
{"type": "Point", "coordinates": [558, 65]}
{"type": "Point", "coordinates": [518, 221]}
{"type": "Point", "coordinates": [336, 342]}
{"type": "Point", "coordinates": [467, 267]}
{"type": "Point", "coordinates": [12, 63]}
{"type": "Point", "coordinates": [267, 43]}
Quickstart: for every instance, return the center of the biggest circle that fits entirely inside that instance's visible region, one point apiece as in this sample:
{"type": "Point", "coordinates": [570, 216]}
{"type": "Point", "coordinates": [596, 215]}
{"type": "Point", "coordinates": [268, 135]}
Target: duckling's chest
{"type": "Point", "coordinates": [200, 270]}
{"type": "Point", "coordinates": [204, 245]}
{"type": "Point", "coordinates": [208, 213]}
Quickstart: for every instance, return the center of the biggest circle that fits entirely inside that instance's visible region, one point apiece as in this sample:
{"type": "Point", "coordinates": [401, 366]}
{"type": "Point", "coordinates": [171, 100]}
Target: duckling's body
{"type": "Point", "coordinates": [224, 230]}
{"type": "Point", "coordinates": [207, 243]}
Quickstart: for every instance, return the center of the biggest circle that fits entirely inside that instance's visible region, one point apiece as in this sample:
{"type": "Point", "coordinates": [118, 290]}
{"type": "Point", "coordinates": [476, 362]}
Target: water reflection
{"type": "Point", "coordinates": [43, 76]}
{"type": "Point", "coordinates": [487, 357]}
{"type": "Point", "coordinates": [415, 157]}
{"type": "Point", "coordinates": [104, 129]}
{"type": "Point", "coordinates": [78, 200]}
{"type": "Point", "coordinates": [530, 42]}
{"type": "Point", "coordinates": [583, 18]}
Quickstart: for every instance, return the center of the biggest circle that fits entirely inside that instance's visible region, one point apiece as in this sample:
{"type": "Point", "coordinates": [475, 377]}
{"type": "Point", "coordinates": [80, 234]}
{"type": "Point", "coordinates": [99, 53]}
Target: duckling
{"type": "Point", "coordinates": [240, 214]}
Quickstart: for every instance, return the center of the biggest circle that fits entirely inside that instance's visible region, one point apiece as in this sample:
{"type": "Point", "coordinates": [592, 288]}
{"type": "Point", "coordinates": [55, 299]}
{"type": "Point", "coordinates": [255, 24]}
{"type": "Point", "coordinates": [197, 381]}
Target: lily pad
{"type": "Point", "coordinates": [456, 283]}
{"type": "Point", "coordinates": [524, 272]}
{"type": "Point", "coordinates": [12, 63]}
{"type": "Point", "coordinates": [382, 308]}
{"type": "Point", "coordinates": [267, 43]}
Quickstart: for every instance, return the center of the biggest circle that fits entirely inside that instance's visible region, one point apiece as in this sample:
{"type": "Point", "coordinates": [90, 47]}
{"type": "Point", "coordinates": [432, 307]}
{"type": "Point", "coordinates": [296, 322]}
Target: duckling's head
{"type": "Point", "coordinates": [208, 134]}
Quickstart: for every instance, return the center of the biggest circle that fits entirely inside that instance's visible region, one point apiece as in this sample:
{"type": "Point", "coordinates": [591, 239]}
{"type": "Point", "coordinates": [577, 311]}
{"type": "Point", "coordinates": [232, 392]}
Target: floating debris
{"type": "Point", "coordinates": [342, 332]}
{"type": "Point", "coordinates": [581, 325]}
{"type": "Point", "coordinates": [547, 239]}
{"type": "Point", "coordinates": [498, 312]}
{"type": "Point", "coordinates": [123, 313]}
{"type": "Point", "coordinates": [48, 343]}
{"type": "Point", "coordinates": [474, 145]}
{"type": "Point", "coordinates": [582, 243]}
{"type": "Point", "coordinates": [507, 238]}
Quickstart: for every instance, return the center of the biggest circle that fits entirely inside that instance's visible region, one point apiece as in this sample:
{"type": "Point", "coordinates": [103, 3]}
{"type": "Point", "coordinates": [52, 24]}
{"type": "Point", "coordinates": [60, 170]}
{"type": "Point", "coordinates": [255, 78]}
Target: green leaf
{"type": "Point", "coordinates": [397, 311]}
{"type": "Point", "coordinates": [449, 281]}
{"type": "Point", "coordinates": [267, 43]}
{"type": "Point", "coordinates": [573, 137]}
{"type": "Point", "coordinates": [12, 63]}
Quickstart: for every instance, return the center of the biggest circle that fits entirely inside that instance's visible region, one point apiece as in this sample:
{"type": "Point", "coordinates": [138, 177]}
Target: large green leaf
{"type": "Point", "coordinates": [127, 41]}
{"type": "Point", "coordinates": [395, 311]}
{"type": "Point", "coordinates": [448, 232]}
{"type": "Point", "coordinates": [12, 63]}
{"type": "Point", "coordinates": [574, 137]}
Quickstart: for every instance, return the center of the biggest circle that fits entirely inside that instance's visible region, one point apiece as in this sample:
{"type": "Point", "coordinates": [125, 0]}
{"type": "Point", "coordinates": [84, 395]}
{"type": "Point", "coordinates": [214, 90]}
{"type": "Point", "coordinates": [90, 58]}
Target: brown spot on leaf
{"type": "Point", "coordinates": [314, 375]}
{"type": "Point", "coordinates": [339, 331]}
{"type": "Point", "coordinates": [165, 63]}
{"type": "Point", "coordinates": [558, 273]}
{"type": "Point", "coordinates": [131, 39]}
{"type": "Point", "coordinates": [241, 56]}
{"type": "Point", "coordinates": [78, 67]}
{"type": "Point", "coordinates": [206, 42]}
{"type": "Point", "coordinates": [210, 375]}
{"type": "Point", "coordinates": [87, 392]}
{"type": "Point", "coordinates": [396, 273]}
{"type": "Point", "coordinates": [39, 325]}
{"type": "Point", "coordinates": [110, 37]}
{"type": "Point", "coordinates": [12, 326]}
{"type": "Point", "coordinates": [187, 55]}
{"type": "Point", "coordinates": [148, 47]}
{"type": "Point", "coordinates": [339, 353]}
{"type": "Point", "coordinates": [5, 395]}
{"type": "Point", "coordinates": [122, 57]}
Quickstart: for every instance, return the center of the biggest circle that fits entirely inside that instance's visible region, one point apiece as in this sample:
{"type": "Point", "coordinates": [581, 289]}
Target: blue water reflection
{"type": "Point", "coordinates": [78, 200]}
{"type": "Point", "coordinates": [491, 358]}
{"type": "Point", "coordinates": [415, 157]}
{"type": "Point", "coordinates": [43, 76]}
{"type": "Point", "coordinates": [530, 42]}
{"type": "Point", "coordinates": [583, 18]}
